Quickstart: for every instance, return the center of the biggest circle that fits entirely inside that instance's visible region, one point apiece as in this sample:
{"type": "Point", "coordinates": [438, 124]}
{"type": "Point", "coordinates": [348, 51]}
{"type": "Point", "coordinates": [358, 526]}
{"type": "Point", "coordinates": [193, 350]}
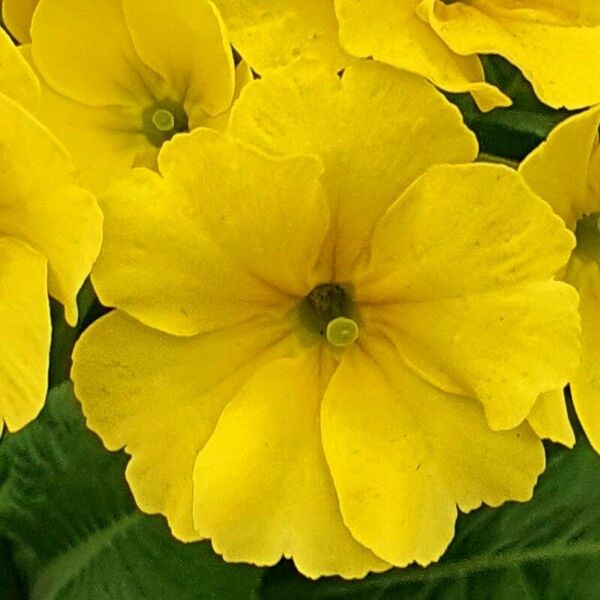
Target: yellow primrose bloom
{"type": "Point", "coordinates": [324, 354]}
{"type": "Point", "coordinates": [50, 231]}
{"type": "Point", "coordinates": [556, 44]}
{"type": "Point", "coordinates": [565, 171]}
{"type": "Point", "coordinates": [17, 15]}
{"type": "Point", "coordinates": [124, 76]}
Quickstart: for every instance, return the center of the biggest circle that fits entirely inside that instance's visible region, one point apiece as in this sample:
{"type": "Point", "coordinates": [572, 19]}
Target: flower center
{"type": "Point", "coordinates": [329, 312]}
{"type": "Point", "coordinates": [162, 120]}
{"type": "Point", "coordinates": [587, 233]}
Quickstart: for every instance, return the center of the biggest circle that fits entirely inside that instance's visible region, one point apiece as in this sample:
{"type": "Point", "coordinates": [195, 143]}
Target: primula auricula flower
{"type": "Point", "coordinates": [124, 76]}
{"type": "Point", "coordinates": [322, 355]}
{"type": "Point", "coordinates": [565, 170]}
{"type": "Point", "coordinates": [50, 231]}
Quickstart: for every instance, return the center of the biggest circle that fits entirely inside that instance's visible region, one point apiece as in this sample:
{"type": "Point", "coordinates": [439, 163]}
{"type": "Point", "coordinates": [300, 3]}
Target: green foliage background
{"type": "Point", "coordinates": [70, 530]}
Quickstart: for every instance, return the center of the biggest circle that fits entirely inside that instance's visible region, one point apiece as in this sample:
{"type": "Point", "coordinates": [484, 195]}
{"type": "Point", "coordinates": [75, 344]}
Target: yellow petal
{"type": "Point", "coordinates": [25, 326]}
{"type": "Point", "coordinates": [370, 148]}
{"type": "Point", "coordinates": [550, 420]}
{"type": "Point", "coordinates": [463, 229]}
{"type": "Point", "coordinates": [99, 144]}
{"type": "Point", "coordinates": [43, 205]}
{"type": "Point", "coordinates": [160, 397]}
{"type": "Point", "coordinates": [17, 15]}
{"type": "Point", "coordinates": [498, 327]}
{"type": "Point", "coordinates": [198, 118]}
{"type": "Point", "coordinates": [255, 207]}
{"type": "Point", "coordinates": [227, 234]}
{"type": "Point", "coordinates": [104, 141]}
{"type": "Point", "coordinates": [404, 455]}
{"type": "Point", "coordinates": [561, 170]}
{"type": "Point", "coordinates": [84, 51]}
{"type": "Point", "coordinates": [262, 486]}
{"type": "Point", "coordinates": [17, 79]}
{"type": "Point", "coordinates": [504, 346]}
{"type": "Point", "coordinates": [272, 33]}
{"type": "Point", "coordinates": [585, 384]}
{"type": "Point", "coordinates": [555, 44]}
{"type": "Point", "coordinates": [392, 32]}
{"type": "Point", "coordinates": [184, 41]}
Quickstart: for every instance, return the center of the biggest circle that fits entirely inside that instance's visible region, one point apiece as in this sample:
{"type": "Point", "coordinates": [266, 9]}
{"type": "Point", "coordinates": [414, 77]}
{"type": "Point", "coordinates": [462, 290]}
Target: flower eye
{"type": "Point", "coordinates": [162, 120]}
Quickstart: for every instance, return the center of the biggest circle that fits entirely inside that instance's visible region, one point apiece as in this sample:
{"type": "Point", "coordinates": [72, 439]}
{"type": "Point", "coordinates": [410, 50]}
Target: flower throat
{"type": "Point", "coordinates": [328, 310]}
{"type": "Point", "coordinates": [587, 233]}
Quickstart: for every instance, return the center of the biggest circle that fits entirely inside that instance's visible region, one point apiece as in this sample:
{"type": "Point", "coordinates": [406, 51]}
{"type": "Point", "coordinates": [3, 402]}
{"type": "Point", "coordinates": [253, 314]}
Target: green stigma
{"type": "Point", "coordinates": [342, 331]}
{"type": "Point", "coordinates": [163, 119]}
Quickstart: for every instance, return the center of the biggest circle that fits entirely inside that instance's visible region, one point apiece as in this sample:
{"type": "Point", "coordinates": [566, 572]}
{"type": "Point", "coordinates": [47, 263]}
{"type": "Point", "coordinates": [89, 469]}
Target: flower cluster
{"type": "Point", "coordinates": [331, 328]}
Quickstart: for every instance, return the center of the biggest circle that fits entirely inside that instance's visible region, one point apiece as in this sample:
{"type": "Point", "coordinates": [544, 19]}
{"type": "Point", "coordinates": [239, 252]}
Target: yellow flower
{"type": "Point", "coordinates": [50, 231]}
{"type": "Point", "coordinates": [126, 75]}
{"type": "Point", "coordinates": [555, 44]}
{"type": "Point", "coordinates": [323, 354]}
{"type": "Point", "coordinates": [17, 15]}
{"type": "Point", "coordinates": [565, 171]}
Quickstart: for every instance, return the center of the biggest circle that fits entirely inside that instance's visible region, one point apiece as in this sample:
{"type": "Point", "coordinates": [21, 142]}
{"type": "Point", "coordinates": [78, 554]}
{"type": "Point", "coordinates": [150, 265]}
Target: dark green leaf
{"type": "Point", "coordinates": [10, 584]}
{"type": "Point", "coordinates": [64, 336]}
{"type": "Point", "coordinates": [514, 131]}
{"type": "Point", "coordinates": [77, 533]}
{"type": "Point", "coordinates": [547, 549]}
